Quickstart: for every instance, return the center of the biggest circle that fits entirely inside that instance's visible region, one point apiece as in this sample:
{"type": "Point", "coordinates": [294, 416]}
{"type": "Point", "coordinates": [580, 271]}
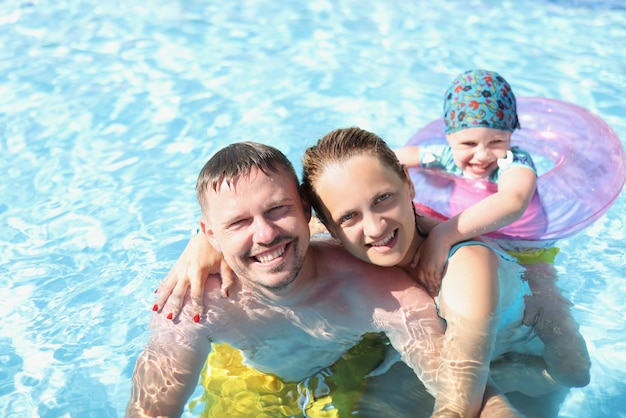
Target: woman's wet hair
{"type": "Point", "coordinates": [338, 146]}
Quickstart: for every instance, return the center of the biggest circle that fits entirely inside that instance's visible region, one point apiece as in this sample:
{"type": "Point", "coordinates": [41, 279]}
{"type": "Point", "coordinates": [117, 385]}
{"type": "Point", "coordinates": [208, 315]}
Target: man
{"type": "Point", "coordinates": [296, 307]}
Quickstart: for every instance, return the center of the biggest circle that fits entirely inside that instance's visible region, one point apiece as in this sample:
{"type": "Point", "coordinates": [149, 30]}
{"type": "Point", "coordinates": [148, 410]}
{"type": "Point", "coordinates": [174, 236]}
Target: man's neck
{"type": "Point", "coordinates": [296, 292]}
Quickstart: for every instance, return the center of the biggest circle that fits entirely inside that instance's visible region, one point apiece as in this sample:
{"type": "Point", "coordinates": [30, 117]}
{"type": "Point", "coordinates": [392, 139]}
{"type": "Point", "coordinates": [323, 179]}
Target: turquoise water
{"type": "Point", "coordinates": [108, 110]}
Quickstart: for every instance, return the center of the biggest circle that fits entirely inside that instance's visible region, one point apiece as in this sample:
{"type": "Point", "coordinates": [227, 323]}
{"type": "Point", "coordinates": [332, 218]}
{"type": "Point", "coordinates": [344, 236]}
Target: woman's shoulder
{"type": "Point", "coordinates": [471, 252]}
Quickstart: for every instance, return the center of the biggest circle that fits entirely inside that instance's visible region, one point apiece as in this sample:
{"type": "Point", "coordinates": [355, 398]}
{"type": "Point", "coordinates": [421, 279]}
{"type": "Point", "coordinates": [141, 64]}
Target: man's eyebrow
{"type": "Point", "coordinates": [285, 199]}
{"type": "Point", "coordinates": [279, 199]}
{"type": "Point", "coordinates": [232, 217]}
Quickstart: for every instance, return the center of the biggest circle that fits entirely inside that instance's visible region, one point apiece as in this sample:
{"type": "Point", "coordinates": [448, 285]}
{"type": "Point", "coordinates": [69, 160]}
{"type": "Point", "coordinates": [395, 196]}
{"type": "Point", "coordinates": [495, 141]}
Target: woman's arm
{"type": "Point", "coordinates": [197, 261]}
{"type": "Point", "coordinates": [469, 302]}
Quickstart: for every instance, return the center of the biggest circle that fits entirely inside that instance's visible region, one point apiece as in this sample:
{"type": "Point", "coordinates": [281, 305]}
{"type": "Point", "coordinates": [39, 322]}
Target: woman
{"type": "Point", "coordinates": [364, 197]}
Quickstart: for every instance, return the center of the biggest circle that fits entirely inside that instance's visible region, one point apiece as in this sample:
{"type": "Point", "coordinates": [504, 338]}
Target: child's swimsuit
{"type": "Point", "coordinates": [469, 192]}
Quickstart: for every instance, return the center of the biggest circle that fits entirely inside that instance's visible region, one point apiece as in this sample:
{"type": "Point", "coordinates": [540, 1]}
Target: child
{"type": "Point", "coordinates": [480, 115]}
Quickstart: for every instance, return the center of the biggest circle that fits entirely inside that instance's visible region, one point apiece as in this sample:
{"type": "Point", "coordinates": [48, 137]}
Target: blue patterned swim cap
{"type": "Point", "coordinates": [480, 99]}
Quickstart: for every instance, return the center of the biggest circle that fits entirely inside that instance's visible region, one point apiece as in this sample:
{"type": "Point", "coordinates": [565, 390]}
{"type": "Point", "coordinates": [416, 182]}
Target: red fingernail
{"type": "Point", "coordinates": [227, 293]}
{"type": "Point", "coordinates": [156, 290]}
{"type": "Point", "coordinates": [196, 318]}
{"type": "Point", "coordinates": [170, 316]}
{"type": "Point", "coordinates": [155, 307]}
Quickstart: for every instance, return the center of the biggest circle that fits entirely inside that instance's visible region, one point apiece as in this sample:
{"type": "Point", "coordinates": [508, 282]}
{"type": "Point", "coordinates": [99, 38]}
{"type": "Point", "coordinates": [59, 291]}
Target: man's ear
{"type": "Point", "coordinates": [209, 234]}
{"type": "Point", "coordinates": [407, 178]}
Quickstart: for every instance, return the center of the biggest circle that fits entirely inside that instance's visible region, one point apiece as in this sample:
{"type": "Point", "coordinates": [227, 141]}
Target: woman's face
{"type": "Point", "coordinates": [369, 208]}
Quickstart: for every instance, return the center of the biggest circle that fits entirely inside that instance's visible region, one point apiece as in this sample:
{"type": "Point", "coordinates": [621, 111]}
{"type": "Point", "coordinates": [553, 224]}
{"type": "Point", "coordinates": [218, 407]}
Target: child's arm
{"type": "Point", "coordinates": [408, 156]}
{"type": "Point", "coordinates": [515, 191]}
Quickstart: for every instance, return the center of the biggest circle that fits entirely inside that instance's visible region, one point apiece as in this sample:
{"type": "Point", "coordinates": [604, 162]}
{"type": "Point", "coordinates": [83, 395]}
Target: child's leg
{"type": "Point", "coordinates": [548, 312]}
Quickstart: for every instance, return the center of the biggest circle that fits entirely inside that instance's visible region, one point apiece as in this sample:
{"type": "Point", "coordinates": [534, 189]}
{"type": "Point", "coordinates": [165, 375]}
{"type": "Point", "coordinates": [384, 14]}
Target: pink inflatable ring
{"type": "Point", "coordinates": [585, 174]}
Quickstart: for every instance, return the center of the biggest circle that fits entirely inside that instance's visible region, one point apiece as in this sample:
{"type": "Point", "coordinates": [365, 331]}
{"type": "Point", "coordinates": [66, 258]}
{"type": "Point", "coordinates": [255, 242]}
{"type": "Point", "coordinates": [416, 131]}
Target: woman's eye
{"type": "Point", "coordinates": [383, 197]}
{"type": "Point", "coordinates": [346, 218]}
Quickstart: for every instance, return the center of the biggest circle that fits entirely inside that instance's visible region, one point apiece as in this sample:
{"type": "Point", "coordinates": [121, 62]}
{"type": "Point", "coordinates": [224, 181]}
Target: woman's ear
{"type": "Point", "coordinates": [407, 178]}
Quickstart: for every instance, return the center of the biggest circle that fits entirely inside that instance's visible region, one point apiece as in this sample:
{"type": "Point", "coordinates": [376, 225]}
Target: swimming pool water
{"type": "Point", "coordinates": [108, 110]}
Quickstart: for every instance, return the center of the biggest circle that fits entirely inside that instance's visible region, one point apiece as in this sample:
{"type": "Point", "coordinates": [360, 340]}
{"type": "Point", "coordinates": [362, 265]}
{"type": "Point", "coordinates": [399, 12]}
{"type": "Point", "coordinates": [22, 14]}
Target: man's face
{"type": "Point", "coordinates": [260, 225]}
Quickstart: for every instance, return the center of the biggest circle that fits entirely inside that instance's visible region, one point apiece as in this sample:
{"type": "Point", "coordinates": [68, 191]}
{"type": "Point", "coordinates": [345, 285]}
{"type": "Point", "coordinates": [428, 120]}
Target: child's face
{"type": "Point", "coordinates": [476, 150]}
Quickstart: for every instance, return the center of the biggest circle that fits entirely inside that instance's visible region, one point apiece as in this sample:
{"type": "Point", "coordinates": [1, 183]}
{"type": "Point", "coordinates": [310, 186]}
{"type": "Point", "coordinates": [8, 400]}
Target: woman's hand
{"type": "Point", "coordinates": [192, 269]}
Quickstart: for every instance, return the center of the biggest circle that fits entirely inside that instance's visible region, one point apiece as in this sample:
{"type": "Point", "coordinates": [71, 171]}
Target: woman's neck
{"type": "Point", "coordinates": [416, 242]}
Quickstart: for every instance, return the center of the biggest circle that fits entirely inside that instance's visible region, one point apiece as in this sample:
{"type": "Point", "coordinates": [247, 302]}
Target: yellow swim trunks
{"type": "Point", "coordinates": [234, 390]}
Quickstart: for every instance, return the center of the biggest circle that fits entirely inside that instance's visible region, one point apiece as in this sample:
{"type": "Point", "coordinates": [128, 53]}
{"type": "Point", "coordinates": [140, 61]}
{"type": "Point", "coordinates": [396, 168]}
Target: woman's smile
{"type": "Point", "coordinates": [386, 243]}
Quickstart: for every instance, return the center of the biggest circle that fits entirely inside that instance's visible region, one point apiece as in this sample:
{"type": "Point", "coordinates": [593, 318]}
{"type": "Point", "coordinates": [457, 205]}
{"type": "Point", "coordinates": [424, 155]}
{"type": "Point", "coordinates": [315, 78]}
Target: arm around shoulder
{"type": "Point", "coordinates": [192, 269]}
{"type": "Point", "coordinates": [516, 188]}
{"type": "Point", "coordinates": [518, 184]}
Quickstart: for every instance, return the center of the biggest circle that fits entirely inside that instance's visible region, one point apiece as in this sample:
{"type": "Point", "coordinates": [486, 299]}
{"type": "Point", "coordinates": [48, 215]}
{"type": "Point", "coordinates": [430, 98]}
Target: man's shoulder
{"type": "Point", "coordinates": [334, 258]}
{"type": "Point", "coordinates": [330, 252]}
{"type": "Point", "coordinates": [325, 244]}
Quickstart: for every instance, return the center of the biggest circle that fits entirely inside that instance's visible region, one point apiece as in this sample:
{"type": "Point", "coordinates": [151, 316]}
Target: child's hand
{"type": "Point", "coordinates": [192, 269]}
{"type": "Point", "coordinates": [431, 259]}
